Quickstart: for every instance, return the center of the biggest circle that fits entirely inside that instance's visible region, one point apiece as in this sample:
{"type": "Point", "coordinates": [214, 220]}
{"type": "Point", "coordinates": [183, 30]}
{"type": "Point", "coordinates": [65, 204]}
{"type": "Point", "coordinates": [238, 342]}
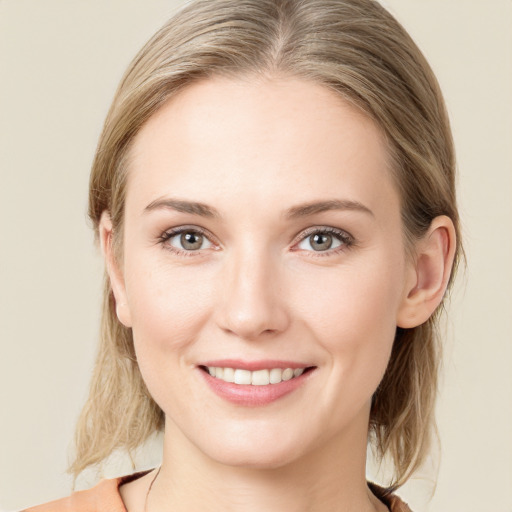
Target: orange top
{"type": "Point", "coordinates": [105, 497]}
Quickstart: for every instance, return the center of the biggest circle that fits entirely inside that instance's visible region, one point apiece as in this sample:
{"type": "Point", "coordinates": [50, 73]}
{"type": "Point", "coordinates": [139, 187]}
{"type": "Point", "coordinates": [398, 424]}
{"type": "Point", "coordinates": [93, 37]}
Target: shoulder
{"type": "Point", "coordinates": [104, 497]}
{"type": "Point", "coordinates": [392, 501]}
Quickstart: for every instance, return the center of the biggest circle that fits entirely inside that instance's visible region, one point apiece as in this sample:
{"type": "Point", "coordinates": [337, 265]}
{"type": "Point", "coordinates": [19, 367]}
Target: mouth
{"type": "Point", "coordinates": [254, 383]}
{"type": "Point", "coordinates": [259, 377]}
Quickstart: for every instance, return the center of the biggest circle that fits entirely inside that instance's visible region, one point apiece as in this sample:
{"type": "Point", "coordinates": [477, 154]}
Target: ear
{"type": "Point", "coordinates": [429, 274]}
{"type": "Point", "coordinates": [114, 270]}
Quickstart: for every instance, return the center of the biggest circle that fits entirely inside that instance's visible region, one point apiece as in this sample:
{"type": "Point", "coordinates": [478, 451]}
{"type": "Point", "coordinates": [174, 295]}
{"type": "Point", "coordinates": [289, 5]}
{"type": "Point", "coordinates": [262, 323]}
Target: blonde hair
{"type": "Point", "coordinates": [353, 47]}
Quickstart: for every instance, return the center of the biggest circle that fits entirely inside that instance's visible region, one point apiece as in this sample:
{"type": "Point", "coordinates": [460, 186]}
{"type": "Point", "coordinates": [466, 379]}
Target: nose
{"type": "Point", "coordinates": [251, 304]}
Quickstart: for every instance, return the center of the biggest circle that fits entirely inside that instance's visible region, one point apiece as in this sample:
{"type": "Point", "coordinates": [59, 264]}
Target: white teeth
{"type": "Point", "coordinates": [257, 377]}
{"type": "Point", "coordinates": [287, 374]}
{"type": "Point", "coordinates": [229, 375]}
{"type": "Point", "coordinates": [260, 378]}
{"type": "Point", "coordinates": [276, 375]}
{"type": "Point", "coordinates": [243, 376]}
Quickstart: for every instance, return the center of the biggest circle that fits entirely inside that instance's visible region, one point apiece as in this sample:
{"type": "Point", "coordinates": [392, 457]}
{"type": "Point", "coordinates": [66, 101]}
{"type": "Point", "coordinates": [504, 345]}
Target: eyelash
{"type": "Point", "coordinates": [171, 233]}
{"type": "Point", "coordinates": [347, 240]}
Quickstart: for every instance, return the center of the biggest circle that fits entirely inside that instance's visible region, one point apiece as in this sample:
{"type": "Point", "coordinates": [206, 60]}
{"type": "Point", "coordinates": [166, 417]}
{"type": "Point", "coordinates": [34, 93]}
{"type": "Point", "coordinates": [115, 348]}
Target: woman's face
{"type": "Point", "coordinates": [262, 233]}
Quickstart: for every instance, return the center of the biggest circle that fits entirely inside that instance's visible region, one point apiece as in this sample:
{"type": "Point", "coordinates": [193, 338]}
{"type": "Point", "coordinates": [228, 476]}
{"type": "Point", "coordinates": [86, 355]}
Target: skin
{"type": "Point", "coordinates": [255, 150]}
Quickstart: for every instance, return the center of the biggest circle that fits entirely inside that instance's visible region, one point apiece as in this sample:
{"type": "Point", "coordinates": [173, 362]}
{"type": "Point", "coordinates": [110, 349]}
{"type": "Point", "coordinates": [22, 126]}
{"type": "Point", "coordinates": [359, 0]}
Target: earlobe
{"type": "Point", "coordinates": [430, 274]}
{"type": "Point", "coordinates": [114, 271]}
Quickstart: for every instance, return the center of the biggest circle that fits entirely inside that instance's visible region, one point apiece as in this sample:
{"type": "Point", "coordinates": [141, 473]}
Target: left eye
{"type": "Point", "coordinates": [321, 241]}
{"type": "Point", "coordinates": [189, 241]}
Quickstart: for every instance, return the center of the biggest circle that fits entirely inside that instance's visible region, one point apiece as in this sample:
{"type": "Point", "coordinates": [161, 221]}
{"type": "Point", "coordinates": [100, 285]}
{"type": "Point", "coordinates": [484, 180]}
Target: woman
{"type": "Point", "coordinates": [273, 193]}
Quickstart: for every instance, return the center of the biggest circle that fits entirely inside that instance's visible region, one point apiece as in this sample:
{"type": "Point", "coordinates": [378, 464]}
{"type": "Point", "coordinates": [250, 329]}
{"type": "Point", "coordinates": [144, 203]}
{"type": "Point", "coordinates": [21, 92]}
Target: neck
{"type": "Point", "coordinates": [330, 480]}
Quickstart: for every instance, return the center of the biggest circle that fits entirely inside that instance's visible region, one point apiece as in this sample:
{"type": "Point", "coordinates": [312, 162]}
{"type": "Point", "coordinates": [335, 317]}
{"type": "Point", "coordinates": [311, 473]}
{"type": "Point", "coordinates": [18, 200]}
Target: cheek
{"type": "Point", "coordinates": [168, 306]}
{"type": "Point", "coordinates": [351, 300]}
{"type": "Point", "coordinates": [352, 313]}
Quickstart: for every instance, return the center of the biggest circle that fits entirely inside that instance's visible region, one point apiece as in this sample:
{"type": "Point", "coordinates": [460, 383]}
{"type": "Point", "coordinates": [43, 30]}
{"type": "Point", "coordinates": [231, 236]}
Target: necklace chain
{"type": "Point", "coordinates": [149, 489]}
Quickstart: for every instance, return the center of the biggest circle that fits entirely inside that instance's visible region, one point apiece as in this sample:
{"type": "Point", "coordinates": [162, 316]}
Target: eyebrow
{"type": "Point", "coordinates": [191, 207]}
{"type": "Point", "coordinates": [304, 210]}
{"type": "Point", "coordinates": [299, 211]}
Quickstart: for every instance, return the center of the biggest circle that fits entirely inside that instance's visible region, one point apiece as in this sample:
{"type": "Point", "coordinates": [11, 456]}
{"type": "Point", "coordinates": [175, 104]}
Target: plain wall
{"type": "Point", "coordinates": [60, 62]}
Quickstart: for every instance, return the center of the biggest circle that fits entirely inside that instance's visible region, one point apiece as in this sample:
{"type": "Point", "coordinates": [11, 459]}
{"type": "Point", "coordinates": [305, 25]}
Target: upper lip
{"type": "Point", "coordinates": [266, 364]}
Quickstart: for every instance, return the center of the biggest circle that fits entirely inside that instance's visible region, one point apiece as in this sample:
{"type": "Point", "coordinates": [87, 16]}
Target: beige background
{"type": "Point", "coordinates": [60, 61]}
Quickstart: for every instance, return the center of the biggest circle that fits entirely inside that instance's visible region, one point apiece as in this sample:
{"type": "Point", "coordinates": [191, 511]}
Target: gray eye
{"type": "Point", "coordinates": [320, 242]}
{"type": "Point", "coordinates": [190, 241]}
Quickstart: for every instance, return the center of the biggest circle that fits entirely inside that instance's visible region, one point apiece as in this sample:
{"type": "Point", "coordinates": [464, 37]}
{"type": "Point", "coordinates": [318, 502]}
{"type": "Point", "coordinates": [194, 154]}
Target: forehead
{"type": "Point", "coordinates": [222, 138]}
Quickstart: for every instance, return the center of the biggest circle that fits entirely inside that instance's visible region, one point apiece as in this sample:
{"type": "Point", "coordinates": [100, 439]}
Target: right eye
{"type": "Point", "coordinates": [186, 240]}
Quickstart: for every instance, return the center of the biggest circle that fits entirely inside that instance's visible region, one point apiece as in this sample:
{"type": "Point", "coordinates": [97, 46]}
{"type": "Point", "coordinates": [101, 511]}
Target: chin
{"type": "Point", "coordinates": [254, 450]}
{"type": "Point", "coordinates": [253, 459]}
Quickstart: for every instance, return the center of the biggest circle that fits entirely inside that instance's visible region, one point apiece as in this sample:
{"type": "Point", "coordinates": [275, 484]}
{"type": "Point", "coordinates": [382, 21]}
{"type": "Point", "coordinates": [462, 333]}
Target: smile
{"type": "Point", "coordinates": [254, 384]}
{"type": "Point", "coordinates": [255, 378]}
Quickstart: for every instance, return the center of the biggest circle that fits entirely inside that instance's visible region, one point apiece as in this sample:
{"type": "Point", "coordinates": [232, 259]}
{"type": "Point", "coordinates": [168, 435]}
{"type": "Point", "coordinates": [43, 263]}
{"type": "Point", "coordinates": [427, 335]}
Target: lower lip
{"type": "Point", "coordinates": [253, 396]}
